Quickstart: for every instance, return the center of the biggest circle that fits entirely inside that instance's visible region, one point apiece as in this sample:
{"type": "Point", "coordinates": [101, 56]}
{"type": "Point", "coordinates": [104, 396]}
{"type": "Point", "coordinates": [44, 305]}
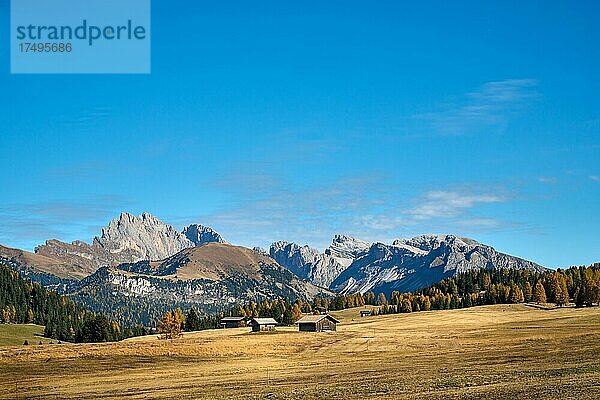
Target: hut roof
{"type": "Point", "coordinates": [263, 321]}
{"type": "Point", "coordinates": [232, 319]}
{"type": "Point", "coordinates": [316, 318]}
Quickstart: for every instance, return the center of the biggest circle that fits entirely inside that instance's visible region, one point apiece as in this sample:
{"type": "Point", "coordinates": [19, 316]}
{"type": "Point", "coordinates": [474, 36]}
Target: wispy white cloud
{"type": "Point", "coordinates": [486, 223]}
{"type": "Point", "coordinates": [595, 178]}
{"type": "Point", "coordinates": [88, 115]}
{"type": "Point", "coordinates": [550, 180]}
{"type": "Point", "coordinates": [362, 206]}
{"type": "Point", "coordinates": [27, 225]}
{"type": "Point", "coordinates": [446, 204]}
{"type": "Point", "coordinates": [487, 108]}
{"type": "Point", "coordinates": [359, 206]}
{"type": "Point", "coordinates": [311, 214]}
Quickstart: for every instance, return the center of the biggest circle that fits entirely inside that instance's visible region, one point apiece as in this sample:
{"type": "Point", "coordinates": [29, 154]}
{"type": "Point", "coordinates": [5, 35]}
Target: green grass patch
{"type": "Point", "coordinates": [16, 334]}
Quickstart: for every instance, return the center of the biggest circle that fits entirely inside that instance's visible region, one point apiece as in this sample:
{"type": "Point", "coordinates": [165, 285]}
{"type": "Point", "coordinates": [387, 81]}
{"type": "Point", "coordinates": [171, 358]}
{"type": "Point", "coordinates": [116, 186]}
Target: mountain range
{"type": "Point", "coordinates": [142, 263]}
{"type": "Point", "coordinates": [126, 239]}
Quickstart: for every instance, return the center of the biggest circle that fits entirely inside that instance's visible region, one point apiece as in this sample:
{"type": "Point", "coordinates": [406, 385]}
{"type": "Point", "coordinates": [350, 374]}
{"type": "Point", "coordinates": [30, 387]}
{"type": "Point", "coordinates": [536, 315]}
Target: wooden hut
{"type": "Point", "coordinates": [233, 322]}
{"type": "Point", "coordinates": [365, 313]}
{"type": "Point", "coordinates": [262, 324]}
{"type": "Point", "coordinates": [317, 323]}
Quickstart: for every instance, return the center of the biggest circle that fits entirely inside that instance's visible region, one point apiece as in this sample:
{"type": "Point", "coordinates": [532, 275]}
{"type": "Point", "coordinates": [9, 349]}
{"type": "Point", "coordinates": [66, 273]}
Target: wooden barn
{"type": "Point", "coordinates": [317, 323]}
{"type": "Point", "coordinates": [365, 313]}
{"type": "Point", "coordinates": [233, 322]}
{"type": "Point", "coordinates": [262, 324]}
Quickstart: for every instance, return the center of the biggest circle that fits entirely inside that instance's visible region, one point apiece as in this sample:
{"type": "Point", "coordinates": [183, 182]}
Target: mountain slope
{"type": "Point", "coordinates": [199, 234]}
{"type": "Point", "coordinates": [145, 236]}
{"type": "Point", "coordinates": [411, 264]}
{"type": "Point", "coordinates": [125, 239]}
{"type": "Point", "coordinates": [41, 263]}
{"type": "Point", "coordinates": [210, 277]}
{"type": "Point", "coordinates": [318, 268]}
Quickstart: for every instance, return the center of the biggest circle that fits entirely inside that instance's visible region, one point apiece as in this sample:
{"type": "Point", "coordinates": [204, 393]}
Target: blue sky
{"type": "Point", "coordinates": [295, 122]}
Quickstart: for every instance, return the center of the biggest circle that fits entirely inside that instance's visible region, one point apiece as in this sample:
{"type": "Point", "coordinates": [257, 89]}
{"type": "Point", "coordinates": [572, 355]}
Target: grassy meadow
{"type": "Point", "coordinates": [491, 352]}
{"type": "Point", "coordinates": [16, 335]}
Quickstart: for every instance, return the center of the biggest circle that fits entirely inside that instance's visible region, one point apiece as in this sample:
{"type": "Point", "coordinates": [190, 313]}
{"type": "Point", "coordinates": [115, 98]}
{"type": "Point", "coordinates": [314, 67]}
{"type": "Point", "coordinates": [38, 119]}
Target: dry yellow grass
{"type": "Point", "coordinates": [495, 352]}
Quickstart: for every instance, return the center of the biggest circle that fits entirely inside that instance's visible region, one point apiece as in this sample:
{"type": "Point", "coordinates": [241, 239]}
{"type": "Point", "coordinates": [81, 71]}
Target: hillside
{"type": "Point", "coordinates": [17, 334]}
{"type": "Point", "coordinates": [211, 278]}
{"type": "Point", "coordinates": [211, 261]}
{"type": "Point", "coordinates": [41, 264]}
{"type": "Point", "coordinates": [125, 239]}
{"type": "Point", "coordinates": [25, 302]}
{"type": "Point", "coordinates": [491, 352]}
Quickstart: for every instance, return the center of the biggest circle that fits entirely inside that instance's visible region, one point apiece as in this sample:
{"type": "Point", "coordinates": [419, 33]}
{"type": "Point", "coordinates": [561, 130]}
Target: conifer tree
{"type": "Point", "coordinates": [192, 321]}
{"type": "Point", "coordinates": [527, 292]}
{"type": "Point", "coordinates": [579, 296]}
{"type": "Point", "coordinates": [516, 294]}
{"type": "Point", "coordinates": [562, 293]}
{"type": "Point", "coordinates": [426, 304]}
{"type": "Point", "coordinates": [405, 305]}
{"type": "Point", "coordinates": [296, 312]}
{"type": "Point", "coordinates": [288, 317]}
{"type": "Point", "coordinates": [539, 293]}
{"type": "Point", "coordinates": [169, 326]}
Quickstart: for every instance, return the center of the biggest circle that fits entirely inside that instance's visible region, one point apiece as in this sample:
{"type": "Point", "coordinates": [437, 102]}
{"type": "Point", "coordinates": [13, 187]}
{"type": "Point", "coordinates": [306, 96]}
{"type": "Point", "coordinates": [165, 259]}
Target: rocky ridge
{"type": "Point", "coordinates": [318, 268]}
{"type": "Point", "coordinates": [127, 239]}
{"type": "Point", "coordinates": [411, 264]}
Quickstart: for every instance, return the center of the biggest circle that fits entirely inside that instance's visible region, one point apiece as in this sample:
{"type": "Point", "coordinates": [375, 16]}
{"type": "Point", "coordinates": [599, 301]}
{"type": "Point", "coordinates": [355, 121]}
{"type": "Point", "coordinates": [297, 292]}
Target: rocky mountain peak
{"type": "Point", "coordinates": [199, 234]}
{"type": "Point", "coordinates": [379, 251]}
{"type": "Point", "coordinates": [293, 256]}
{"type": "Point", "coordinates": [125, 239]}
{"type": "Point", "coordinates": [319, 268]}
{"type": "Point", "coordinates": [428, 243]}
{"type": "Point", "coordinates": [344, 246]}
{"type": "Point", "coordinates": [260, 250]}
{"type": "Point", "coordinates": [145, 235]}
{"type": "Point", "coordinates": [411, 264]}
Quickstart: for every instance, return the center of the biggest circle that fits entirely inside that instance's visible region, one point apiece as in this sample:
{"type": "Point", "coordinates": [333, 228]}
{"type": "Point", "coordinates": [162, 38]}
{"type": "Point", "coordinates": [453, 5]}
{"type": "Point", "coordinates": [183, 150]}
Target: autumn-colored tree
{"type": "Point", "coordinates": [487, 282]}
{"type": "Point", "coordinates": [516, 294]}
{"type": "Point", "coordinates": [179, 318]}
{"type": "Point", "coordinates": [539, 293]}
{"type": "Point", "coordinates": [553, 287]}
{"type": "Point", "coordinates": [591, 286]}
{"type": "Point", "coordinates": [381, 300]}
{"type": "Point", "coordinates": [296, 312]}
{"type": "Point", "coordinates": [527, 292]}
{"type": "Point", "coordinates": [9, 314]}
{"type": "Point", "coordinates": [426, 304]}
{"type": "Point", "coordinates": [370, 298]}
{"type": "Point", "coordinates": [169, 327]}
{"type": "Point", "coordinates": [562, 293]}
{"type": "Point", "coordinates": [405, 305]}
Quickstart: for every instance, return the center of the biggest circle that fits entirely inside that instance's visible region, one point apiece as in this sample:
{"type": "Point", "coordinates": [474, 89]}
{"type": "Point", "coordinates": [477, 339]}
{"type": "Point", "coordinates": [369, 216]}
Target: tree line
{"type": "Point", "coordinates": [578, 285]}
{"type": "Point", "coordinates": [23, 302]}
